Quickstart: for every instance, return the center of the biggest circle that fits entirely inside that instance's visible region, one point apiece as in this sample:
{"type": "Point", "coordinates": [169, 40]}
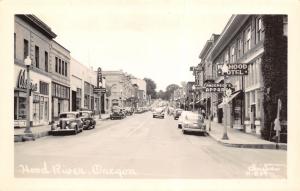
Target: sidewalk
{"type": "Point", "coordinates": [43, 130]}
{"type": "Point", "coordinates": [240, 139]}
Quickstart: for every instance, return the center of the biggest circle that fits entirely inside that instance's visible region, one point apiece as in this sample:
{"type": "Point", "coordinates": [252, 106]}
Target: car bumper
{"type": "Point", "coordinates": [194, 129]}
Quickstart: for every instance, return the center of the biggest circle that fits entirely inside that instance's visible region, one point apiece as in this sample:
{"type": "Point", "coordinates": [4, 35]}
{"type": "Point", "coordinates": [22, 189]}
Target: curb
{"type": "Point", "coordinates": [274, 146]}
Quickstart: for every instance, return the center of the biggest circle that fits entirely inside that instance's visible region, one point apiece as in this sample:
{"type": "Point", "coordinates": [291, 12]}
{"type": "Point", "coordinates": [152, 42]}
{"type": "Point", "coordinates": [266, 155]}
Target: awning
{"type": "Point", "coordinates": [230, 98]}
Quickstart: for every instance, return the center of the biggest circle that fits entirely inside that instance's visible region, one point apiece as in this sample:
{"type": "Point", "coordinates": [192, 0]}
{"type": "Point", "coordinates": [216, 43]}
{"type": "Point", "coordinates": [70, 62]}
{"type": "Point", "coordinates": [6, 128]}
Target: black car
{"type": "Point", "coordinates": [88, 120]}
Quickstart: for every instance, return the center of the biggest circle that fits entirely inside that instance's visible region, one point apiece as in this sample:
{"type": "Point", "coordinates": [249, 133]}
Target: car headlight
{"type": "Point", "coordinates": [68, 122]}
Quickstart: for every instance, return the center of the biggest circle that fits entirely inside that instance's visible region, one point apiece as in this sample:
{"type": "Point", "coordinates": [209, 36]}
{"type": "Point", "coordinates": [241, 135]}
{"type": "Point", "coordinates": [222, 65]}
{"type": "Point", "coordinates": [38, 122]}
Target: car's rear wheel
{"type": "Point", "coordinates": [179, 126]}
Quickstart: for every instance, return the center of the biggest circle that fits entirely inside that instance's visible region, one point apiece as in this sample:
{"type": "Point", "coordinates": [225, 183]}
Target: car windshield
{"type": "Point", "coordinates": [158, 109]}
{"type": "Point", "coordinates": [67, 115]}
{"type": "Point", "coordinates": [85, 114]}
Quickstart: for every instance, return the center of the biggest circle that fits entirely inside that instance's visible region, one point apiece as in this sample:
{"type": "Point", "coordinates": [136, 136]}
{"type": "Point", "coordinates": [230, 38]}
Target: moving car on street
{"type": "Point", "coordinates": [88, 119]}
{"type": "Point", "coordinates": [68, 122]}
{"type": "Point", "coordinates": [117, 113]}
{"type": "Point", "coordinates": [159, 113]}
{"type": "Point", "coordinates": [193, 122]}
{"type": "Point", "coordinates": [177, 113]}
{"type": "Point", "coordinates": [128, 110]}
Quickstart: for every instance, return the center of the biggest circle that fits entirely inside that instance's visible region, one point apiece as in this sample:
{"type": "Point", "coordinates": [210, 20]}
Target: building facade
{"type": "Point", "coordinates": [245, 39]}
{"type": "Point", "coordinates": [83, 82]}
{"type": "Point", "coordinates": [32, 38]}
{"type": "Point", "coordinates": [60, 74]}
{"type": "Point", "coordinates": [120, 87]}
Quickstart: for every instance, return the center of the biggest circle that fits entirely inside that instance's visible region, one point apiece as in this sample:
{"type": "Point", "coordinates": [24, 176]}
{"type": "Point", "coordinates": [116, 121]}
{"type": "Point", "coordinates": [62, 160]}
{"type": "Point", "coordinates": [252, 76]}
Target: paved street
{"type": "Point", "coordinates": [142, 147]}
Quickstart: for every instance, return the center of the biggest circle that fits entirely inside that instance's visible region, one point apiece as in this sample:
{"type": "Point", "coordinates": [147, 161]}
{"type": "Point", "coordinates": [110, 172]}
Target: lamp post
{"type": "Point", "coordinates": [193, 87]}
{"type": "Point", "coordinates": [28, 64]}
{"type": "Point", "coordinates": [225, 71]}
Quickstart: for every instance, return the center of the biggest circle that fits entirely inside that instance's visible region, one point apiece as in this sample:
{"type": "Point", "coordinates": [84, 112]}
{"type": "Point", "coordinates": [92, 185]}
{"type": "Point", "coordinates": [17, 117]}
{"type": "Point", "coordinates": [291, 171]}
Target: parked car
{"type": "Point", "coordinates": [139, 110]}
{"type": "Point", "coordinates": [68, 122]}
{"type": "Point", "coordinates": [180, 119]}
{"type": "Point", "coordinates": [177, 113]}
{"type": "Point", "coordinates": [159, 112]}
{"type": "Point", "coordinates": [88, 119]}
{"type": "Point", "coordinates": [117, 113]}
{"type": "Point", "coordinates": [193, 122]}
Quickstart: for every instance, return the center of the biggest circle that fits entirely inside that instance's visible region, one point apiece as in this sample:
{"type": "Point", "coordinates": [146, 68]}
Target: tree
{"type": "Point", "coordinates": [170, 90]}
{"type": "Point", "coordinates": [150, 88]}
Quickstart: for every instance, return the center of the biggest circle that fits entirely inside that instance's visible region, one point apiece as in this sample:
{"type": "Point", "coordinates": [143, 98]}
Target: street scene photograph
{"type": "Point", "coordinates": [135, 91]}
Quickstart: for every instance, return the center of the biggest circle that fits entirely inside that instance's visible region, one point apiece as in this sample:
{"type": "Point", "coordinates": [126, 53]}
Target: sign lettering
{"type": "Point", "coordinates": [22, 82]}
{"type": "Point", "coordinates": [235, 69]}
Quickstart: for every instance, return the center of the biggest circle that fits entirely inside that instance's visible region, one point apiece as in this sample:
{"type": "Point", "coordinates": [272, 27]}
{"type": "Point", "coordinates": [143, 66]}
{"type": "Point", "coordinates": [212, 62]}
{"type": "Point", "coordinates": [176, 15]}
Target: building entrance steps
{"type": "Point", "coordinates": [240, 139]}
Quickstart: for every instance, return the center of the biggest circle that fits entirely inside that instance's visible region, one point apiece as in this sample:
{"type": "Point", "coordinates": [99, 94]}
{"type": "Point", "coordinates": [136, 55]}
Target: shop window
{"type": "Point", "coordinates": [20, 106]}
{"type": "Point", "coordinates": [25, 48]}
{"type": "Point", "coordinates": [36, 107]}
{"type": "Point", "coordinates": [37, 56]}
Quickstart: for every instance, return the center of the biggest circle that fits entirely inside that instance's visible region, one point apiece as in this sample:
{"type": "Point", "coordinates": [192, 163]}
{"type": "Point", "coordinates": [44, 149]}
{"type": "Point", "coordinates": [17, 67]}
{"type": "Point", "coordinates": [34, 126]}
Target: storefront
{"type": "Point", "coordinates": [60, 99]}
{"type": "Point", "coordinates": [39, 100]}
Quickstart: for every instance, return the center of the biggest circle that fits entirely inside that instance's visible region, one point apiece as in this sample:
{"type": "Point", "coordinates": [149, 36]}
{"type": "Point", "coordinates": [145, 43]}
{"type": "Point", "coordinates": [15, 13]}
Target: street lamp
{"type": "Point", "coordinates": [193, 88]}
{"type": "Point", "coordinates": [27, 62]}
{"type": "Point", "coordinates": [225, 72]}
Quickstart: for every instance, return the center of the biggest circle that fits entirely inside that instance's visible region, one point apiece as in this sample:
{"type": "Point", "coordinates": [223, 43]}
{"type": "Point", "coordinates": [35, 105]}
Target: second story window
{"type": "Point", "coordinates": [240, 48]}
{"type": "Point", "coordinates": [66, 69]}
{"type": "Point", "coordinates": [59, 66]}
{"type": "Point", "coordinates": [14, 45]}
{"type": "Point", "coordinates": [232, 54]}
{"type": "Point", "coordinates": [63, 67]}
{"type": "Point", "coordinates": [226, 58]}
{"type": "Point", "coordinates": [248, 39]}
{"type": "Point", "coordinates": [37, 56]}
{"type": "Point", "coordinates": [25, 48]}
{"type": "Point", "coordinates": [46, 61]}
{"type": "Point", "coordinates": [56, 64]}
{"type": "Point", "coordinates": [258, 30]}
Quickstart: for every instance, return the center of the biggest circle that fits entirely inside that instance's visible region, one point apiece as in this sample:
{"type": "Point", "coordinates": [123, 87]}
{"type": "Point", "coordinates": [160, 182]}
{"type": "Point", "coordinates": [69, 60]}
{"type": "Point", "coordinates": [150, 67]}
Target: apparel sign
{"type": "Point", "coordinates": [214, 87]}
{"type": "Point", "coordinates": [22, 82]}
{"type": "Point", "coordinates": [235, 69]}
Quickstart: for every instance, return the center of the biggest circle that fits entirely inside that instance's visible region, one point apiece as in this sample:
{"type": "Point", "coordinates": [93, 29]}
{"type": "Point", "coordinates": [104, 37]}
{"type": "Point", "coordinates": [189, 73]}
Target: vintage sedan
{"type": "Point", "coordinates": [159, 113]}
{"type": "Point", "coordinates": [117, 113]}
{"type": "Point", "coordinates": [193, 122]}
{"type": "Point", "coordinates": [88, 119]}
{"type": "Point", "coordinates": [68, 122]}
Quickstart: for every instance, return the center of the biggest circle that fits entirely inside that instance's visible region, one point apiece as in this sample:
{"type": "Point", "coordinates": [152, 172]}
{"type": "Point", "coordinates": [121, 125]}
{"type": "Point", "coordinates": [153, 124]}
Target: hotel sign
{"type": "Point", "coordinates": [22, 82]}
{"type": "Point", "coordinates": [234, 69]}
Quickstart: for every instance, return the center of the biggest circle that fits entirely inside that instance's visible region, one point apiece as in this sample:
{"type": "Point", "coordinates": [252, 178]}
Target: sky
{"type": "Point", "coordinates": [146, 39]}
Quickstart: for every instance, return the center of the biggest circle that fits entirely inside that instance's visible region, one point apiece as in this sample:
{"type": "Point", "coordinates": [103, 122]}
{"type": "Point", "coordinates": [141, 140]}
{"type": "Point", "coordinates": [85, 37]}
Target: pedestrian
{"type": "Point", "coordinates": [203, 113]}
